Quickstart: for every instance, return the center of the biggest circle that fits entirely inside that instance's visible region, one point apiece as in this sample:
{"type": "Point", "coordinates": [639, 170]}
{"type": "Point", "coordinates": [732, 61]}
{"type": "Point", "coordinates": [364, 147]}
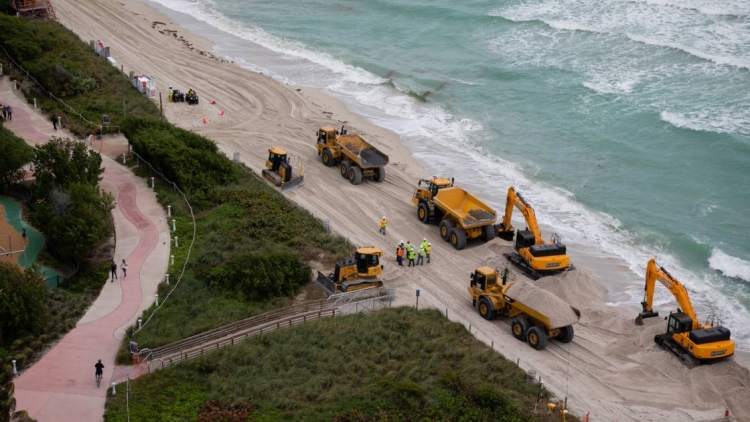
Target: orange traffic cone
{"type": "Point", "coordinates": [213, 102]}
{"type": "Point", "coordinates": [222, 113]}
{"type": "Point", "coordinates": [205, 121]}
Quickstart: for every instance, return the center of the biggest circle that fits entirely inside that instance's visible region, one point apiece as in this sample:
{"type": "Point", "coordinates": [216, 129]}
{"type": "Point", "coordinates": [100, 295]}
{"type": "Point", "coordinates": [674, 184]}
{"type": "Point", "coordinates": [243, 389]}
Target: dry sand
{"type": "Point", "coordinates": [557, 310]}
{"type": "Point", "coordinates": [612, 368]}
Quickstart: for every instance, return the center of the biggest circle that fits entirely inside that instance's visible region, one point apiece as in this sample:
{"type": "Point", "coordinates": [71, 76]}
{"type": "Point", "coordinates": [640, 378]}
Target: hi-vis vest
{"type": "Point", "coordinates": [400, 252]}
{"type": "Point", "coordinates": [382, 223]}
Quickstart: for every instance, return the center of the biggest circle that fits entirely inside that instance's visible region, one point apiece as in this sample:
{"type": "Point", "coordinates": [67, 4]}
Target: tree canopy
{"type": "Point", "coordinates": [62, 162]}
{"type": "Point", "coordinates": [22, 295]}
{"type": "Point", "coordinates": [16, 154]}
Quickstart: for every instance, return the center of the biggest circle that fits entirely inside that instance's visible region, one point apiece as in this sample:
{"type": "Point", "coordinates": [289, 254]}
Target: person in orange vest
{"type": "Point", "coordinates": [383, 223]}
{"type": "Point", "coordinates": [400, 254]}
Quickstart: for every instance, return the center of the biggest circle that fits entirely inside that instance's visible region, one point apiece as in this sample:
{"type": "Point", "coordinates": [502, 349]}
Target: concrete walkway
{"type": "Point", "coordinates": [61, 386]}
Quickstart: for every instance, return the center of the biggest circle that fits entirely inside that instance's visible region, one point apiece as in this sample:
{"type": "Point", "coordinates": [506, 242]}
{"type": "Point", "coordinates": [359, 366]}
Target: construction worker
{"type": "Point", "coordinates": [383, 223]}
{"type": "Point", "coordinates": [400, 254]}
{"type": "Point", "coordinates": [169, 94]}
{"type": "Point", "coordinates": [408, 247]}
{"type": "Point", "coordinates": [411, 256]}
{"type": "Point", "coordinates": [420, 257]}
{"type": "Point", "coordinates": [423, 245]}
{"type": "Point", "coordinates": [427, 251]}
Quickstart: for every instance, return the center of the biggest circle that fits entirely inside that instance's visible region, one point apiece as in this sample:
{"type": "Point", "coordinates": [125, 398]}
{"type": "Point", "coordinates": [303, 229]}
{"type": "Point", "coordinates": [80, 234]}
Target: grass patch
{"type": "Point", "coordinates": [398, 364]}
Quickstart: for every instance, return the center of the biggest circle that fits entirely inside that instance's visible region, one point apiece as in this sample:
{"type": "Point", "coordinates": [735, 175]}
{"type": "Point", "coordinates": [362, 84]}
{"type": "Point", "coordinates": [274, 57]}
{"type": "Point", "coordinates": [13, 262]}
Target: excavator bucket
{"type": "Point", "coordinates": [645, 314]}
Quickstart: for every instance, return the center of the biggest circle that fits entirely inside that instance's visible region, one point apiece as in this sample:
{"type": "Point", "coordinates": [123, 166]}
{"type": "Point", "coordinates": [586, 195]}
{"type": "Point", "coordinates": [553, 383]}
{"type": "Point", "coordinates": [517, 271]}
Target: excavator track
{"type": "Point", "coordinates": [522, 265]}
{"type": "Point", "coordinates": [666, 342]}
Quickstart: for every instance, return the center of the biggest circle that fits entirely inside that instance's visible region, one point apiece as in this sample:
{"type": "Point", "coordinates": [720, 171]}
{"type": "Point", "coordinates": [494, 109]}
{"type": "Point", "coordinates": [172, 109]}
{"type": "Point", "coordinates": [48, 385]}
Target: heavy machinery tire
{"type": "Point", "coordinates": [537, 338]}
{"type": "Point", "coordinates": [355, 175]}
{"type": "Point", "coordinates": [379, 175]}
{"type": "Point", "coordinates": [518, 328]}
{"type": "Point", "coordinates": [488, 232]}
{"type": "Point", "coordinates": [344, 168]}
{"type": "Point", "coordinates": [328, 158]}
{"type": "Point", "coordinates": [445, 229]}
{"type": "Point", "coordinates": [485, 309]}
{"type": "Point", "coordinates": [566, 334]}
{"type": "Point", "coordinates": [423, 213]}
{"type": "Point", "coordinates": [458, 238]}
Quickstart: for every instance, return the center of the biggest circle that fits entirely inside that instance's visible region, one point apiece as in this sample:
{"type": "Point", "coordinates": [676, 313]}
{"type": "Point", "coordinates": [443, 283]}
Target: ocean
{"type": "Point", "coordinates": [625, 124]}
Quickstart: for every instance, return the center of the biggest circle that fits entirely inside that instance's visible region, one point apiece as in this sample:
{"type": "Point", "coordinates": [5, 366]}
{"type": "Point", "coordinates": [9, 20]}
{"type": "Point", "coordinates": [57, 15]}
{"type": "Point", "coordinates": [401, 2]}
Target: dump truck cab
{"type": "Point", "coordinates": [484, 279]}
{"type": "Point", "coordinates": [431, 188]}
{"type": "Point", "coordinates": [327, 135]}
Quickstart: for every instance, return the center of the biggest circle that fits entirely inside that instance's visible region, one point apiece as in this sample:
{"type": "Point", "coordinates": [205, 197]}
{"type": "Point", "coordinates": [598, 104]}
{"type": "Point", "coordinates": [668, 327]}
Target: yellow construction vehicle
{"type": "Point", "coordinates": [279, 170]}
{"type": "Point", "coordinates": [537, 315]}
{"type": "Point", "coordinates": [459, 214]}
{"type": "Point", "coordinates": [692, 342]}
{"type": "Point", "coordinates": [355, 157]}
{"type": "Point", "coordinates": [358, 273]}
{"type": "Point", "coordinates": [535, 257]}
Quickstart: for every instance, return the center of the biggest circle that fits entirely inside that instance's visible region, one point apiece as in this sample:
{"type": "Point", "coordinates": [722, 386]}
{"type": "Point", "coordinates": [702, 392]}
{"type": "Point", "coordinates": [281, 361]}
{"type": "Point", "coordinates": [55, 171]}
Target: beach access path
{"type": "Point", "coordinates": [61, 386]}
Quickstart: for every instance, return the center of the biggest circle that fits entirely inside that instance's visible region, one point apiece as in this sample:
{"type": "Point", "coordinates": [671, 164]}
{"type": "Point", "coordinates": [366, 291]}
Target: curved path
{"type": "Point", "coordinates": [61, 387]}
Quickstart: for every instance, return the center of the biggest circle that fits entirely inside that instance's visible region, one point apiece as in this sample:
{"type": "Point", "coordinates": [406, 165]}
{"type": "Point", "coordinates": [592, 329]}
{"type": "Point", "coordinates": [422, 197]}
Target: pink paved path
{"type": "Point", "coordinates": [61, 387]}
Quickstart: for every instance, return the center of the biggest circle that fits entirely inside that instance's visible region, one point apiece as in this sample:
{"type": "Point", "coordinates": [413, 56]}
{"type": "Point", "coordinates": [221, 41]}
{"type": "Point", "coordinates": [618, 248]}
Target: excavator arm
{"type": "Point", "coordinates": [654, 273]}
{"type": "Point", "coordinates": [515, 200]}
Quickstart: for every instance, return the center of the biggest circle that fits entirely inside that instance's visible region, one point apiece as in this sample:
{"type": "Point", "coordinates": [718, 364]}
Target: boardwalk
{"type": "Point", "coordinates": [61, 387]}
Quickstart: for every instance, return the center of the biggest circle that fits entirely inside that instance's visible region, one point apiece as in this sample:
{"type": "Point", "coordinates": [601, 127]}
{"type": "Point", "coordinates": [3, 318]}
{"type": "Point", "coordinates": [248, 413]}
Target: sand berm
{"type": "Point", "coordinates": [612, 368]}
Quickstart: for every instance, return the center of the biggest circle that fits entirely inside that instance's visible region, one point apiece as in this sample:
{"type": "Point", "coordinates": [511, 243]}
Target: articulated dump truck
{"type": "Point", "coordinates": [537, 315]}
{"type": "Point", "coordinates": [459, 214]}
{"type": "Point", "coordinates": [355, 157]}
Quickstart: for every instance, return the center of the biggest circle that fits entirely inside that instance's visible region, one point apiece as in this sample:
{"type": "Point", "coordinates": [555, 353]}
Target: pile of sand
{"type": "Point", "coordinates": [560, 314]}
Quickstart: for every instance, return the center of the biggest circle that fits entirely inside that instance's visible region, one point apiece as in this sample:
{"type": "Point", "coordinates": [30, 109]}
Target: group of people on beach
{"type": "Point", "coordinates": [6, 112]}
{"type": "Point", "coordinates": [407, 250]}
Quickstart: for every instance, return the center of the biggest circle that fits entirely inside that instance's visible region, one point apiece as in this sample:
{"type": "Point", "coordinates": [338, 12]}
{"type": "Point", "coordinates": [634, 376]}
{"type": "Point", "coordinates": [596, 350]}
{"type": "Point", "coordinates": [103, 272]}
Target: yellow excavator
{"type": "Point", "coordinates": [535, 257]}
{"type": "Point", "coordinates": [358, 273]}
{"type": "Point", "coordinates": [692, 342]}
{"type": "Point", "coordinates": [279, 170]}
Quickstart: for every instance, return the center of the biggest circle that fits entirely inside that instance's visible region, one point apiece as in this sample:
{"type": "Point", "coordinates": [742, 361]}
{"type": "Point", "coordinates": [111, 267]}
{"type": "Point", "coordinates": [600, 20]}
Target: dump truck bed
{"type": "Point", "coordinates": [469, 210]}
{"type": "Point", "coordinates": [541, 305]}
{"type": "Point", "coordinates": [362, 152]}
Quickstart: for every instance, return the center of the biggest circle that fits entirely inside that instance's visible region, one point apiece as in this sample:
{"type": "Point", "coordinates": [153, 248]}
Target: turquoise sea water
{"type": "Point", "coordinates": [626, 124]}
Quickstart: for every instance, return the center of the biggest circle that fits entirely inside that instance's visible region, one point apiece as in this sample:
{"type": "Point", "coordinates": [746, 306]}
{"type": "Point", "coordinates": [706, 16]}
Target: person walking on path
{"type": "Point", "coordinates": [23, 235]}
{"type": "Point", "coordinates": [411, 257]}
{"type": "Point", "coordinates": [383, 223]}
{"type": "Point", "coordinates": [8, 113]}
{"type": "Point", "coordinates": [420, 256]}
{"type": "Point", "coordinates": [54, 121]}
{"type": "Point", "coordinates": [124, 267]}
{"type": "Point", "coordinates": [113, 269]}
{"type": "Point", "coordinates": [400, 254]}
{"type": "Point", "coordinates": [427, 251]}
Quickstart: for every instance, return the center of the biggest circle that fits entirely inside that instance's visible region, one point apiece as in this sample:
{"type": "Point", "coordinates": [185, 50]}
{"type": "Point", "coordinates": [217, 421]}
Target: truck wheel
{"type": "Point", "coordinates": [488, 232]}
{"type": "Point", "coordinates": [518, 328]}
{"type": "Point", "coordinates": [355, 175]}
{"type": "Point", "coordinates": [537, 338]}
{"type": "Point", "coordinates": [445, 229]}
{"type": "Point", "coordinates": [485, 309]}
{"type": "Point", "coordinates": [566, 334]}
{"type": "Point", "coordinates": [423, 213]}
{"type": "Point", "coordinates": [458, 238]}
{"type": "Point", "coordinates": [344, 169]}
{"type": "Point", "coordinates": [379, 175]}
{"type": "Point", "coordinates": [328, 158]}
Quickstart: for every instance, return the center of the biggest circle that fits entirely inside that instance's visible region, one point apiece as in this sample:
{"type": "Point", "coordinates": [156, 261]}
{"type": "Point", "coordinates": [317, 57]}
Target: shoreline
{"type": "Point", "coordinates": [262, 112]}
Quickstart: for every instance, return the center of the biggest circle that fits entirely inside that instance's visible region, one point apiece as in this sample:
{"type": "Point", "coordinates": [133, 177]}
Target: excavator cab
{"type": "Point", "coordinates": [679, 323]}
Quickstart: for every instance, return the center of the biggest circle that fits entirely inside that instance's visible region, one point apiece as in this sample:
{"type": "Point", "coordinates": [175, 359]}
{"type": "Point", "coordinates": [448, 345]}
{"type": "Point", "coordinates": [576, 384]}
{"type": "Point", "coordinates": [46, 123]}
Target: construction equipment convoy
{"type": "Point", "coordinates": [358, 273]}
{"type": "Point", "coordinates": [279, 169]}
{"type": "Point", "coordinates": [534, 257]}
{"type": "Point", "coordinates": [355, 157]}
{"type": "Point", "coordinates": [537, 315]}
{"type": "Point", "coordinates": [692, 342]}
{"type": "Point", "coordinates": [459, 214]}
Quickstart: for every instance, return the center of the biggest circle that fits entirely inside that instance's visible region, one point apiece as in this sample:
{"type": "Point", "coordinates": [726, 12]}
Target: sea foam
{"type": "Point", "coordinates": [728, 265]}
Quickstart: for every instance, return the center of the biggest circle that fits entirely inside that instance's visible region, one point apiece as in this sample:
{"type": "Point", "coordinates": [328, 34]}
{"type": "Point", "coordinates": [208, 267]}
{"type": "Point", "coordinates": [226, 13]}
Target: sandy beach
{"type": "Point", "coordinates": [612, 369]}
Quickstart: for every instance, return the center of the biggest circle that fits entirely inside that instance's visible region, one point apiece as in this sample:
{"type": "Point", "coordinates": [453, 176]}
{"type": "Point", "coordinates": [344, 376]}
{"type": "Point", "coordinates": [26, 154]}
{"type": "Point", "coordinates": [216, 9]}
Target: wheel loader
{"type": "Point", "coordinates": [694, 343]}
{"type": "Point", "coordinates": [279, 170]}
{"type": "Point", "coordinates": [360, 272]}
{"type": "Point", "coordinates": [537, 315]}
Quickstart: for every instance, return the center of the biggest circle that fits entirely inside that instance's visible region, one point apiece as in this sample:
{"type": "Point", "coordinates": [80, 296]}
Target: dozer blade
{"type": "Point", "coordinates": [327, 283]}
{"type": "Point", "coordinates": [294, 183]}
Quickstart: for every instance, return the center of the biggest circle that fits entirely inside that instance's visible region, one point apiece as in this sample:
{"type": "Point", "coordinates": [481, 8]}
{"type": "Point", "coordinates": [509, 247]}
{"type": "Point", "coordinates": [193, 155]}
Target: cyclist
{"type": "Point", "coordinates": [99, 368]}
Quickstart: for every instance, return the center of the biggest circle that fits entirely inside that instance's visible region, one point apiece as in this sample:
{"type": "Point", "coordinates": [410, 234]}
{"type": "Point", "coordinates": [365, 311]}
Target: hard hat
{"type": "Point", "coordinates": [429, 244]}
{"type": "Point", "coordinates": [401, 242]}
{"type": "Point", "coordinates": [424, 238]}
{"type": "Point", "coordinates": [383, 217]}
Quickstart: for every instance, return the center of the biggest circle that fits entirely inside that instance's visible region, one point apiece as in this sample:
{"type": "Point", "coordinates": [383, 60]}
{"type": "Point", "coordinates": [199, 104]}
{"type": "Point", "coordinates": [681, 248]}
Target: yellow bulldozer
{"type": "Point", "coordinates": [279, 170]}
{"type": "Point", "coordinates": [360, 272]}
